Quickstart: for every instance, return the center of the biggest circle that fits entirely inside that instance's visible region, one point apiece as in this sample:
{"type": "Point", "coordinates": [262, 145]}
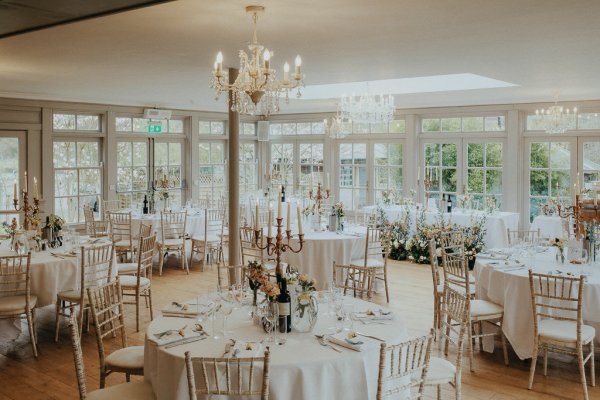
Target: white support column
{"type": "Point", "coordinates": [110, 153]}
{"type": "Point", "coordinates": [234, 180]}
{"type": "Point", "coordinates": [512, 165]}
{"type": "Point", "coordinates": [411, 157]}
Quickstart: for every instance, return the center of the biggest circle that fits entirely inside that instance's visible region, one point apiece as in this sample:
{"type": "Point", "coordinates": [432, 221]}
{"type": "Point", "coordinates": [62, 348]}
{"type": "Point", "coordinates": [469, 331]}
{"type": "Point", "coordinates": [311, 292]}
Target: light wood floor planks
{"type": "Point", "coordinates": [52, 375]}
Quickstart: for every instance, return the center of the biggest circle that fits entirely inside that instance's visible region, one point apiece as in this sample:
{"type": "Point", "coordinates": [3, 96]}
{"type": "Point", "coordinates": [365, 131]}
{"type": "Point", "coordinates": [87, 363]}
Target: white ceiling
{"type": "Point", "coordinates": [162, 55]}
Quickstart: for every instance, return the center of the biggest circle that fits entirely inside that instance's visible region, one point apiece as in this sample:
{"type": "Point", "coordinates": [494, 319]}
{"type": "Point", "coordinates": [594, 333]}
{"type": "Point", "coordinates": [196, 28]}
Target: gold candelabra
{"type": "Point", "coordinates": [318, 197]}
{"type": "Point", "coordinates": [31, 211]}
{"type": "Point", "coordinates": [427, 183]}
{"type": "Point", "coordinates": [278, 246]}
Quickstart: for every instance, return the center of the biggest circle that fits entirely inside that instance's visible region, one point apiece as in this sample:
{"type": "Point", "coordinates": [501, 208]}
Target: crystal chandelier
{"type": "Point", "coordinates": [367, 108]}
{"type": "Point", "coordinates": [556, 119]}
{"type": "Point", "coordinates": [256, 90]}
{"type": "Point", "coordinates": [338, 128]}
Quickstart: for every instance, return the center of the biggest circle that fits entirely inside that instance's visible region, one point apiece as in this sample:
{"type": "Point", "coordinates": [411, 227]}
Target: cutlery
{"type": "Point", "coordinates": [185, 341]}
{"type": "Point", "coordinates": [228, 347]}
{"type": "Point", "coordinates": [324, 342]}
{"type": "Point", "coordinates": [369, 322]}
{"type": "Point", "coordinates": [369, 336]}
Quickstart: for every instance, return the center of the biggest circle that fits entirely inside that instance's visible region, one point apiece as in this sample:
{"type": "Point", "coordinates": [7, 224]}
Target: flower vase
{"type": "Point", "coordinates": [316, 223]}
{"type": "Point", "coordinates": [560, 256]}
{"type": "Point", "coordinates": [254, 309]}
{"type": "Point", "coordinates": [12, 242]}
{"type": "Point", "coordinates": [305, 313]}
{"type": "Point", "coordinates": [340, 224]}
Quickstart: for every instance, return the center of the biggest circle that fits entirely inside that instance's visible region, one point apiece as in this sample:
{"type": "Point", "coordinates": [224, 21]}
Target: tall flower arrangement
{"type": "Point", "coordinates": [400, 235]}
{"type": "Point", "coordinates": [418, 246]}
{"type": "Point", "coordinates": [474, 235]}
{"type": "Point", "coordinates": [340, 210]}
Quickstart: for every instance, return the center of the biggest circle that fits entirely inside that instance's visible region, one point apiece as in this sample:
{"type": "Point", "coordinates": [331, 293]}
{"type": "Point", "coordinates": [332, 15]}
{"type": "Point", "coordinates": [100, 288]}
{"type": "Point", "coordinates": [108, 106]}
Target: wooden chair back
{"type": "Point", "coordinates": [248, 247]}
{"type": "Point", "coordinates": [403, 367]}
{"type": "Point", "coordinates": [77, 356]}
{"type": "Point", "coordinates": [377, 244]}
{"type": "Point", "coordinates": [556, 297]}
{"type": "Point", "coordinates": [145, 255]}
{"type": "Point", "coordinates": [96, 266]}
{"type": "Point", "coordinates": [120, 227]}
{"type": "Point", "coordinates": [456, 272]}
{"type": "Point", "coordinates": [213, 224]}
{"type": "Point", "coordinates": [145, 230]}
{"type": "Point", "coordinates": [228, 376]}
{"type": "Point", "coordinates": [226, 272]}
{"type": "Point", "coordinates": [172, 224]}
{"type": "Point", "coordinates": [452, 242]}
{"type": "Point", "coordinates": [106, 303]}
{"type": "Point", "coordinates": [454, 323]}
{"type": "Point", "coordinates": [353, 278]}
{"type": "Point", "coordinates": [514, 236]}
{"type": "Point", "coordinates": [15, 276]}
{"type": "Point", "coordinates": [435, 268]}
{"type": "Point", "coordinates": [90, 221]}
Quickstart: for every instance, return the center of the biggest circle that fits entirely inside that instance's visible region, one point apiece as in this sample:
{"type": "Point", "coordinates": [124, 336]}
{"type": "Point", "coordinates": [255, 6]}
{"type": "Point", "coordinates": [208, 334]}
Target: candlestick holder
{"type": "Point", "coordinates": [279, 246]}
{"type": "Point", "coordinates": [427, 184]}
{"type": "Point", "coordinates": [318, 197]}
{"type": "Point", "coordinates": [30, 211]}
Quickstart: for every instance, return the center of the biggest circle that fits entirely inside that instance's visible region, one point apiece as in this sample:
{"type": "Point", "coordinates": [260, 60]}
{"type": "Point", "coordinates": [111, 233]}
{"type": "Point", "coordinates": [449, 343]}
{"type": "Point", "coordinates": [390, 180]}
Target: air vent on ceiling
{"type": "Point", "coordinates": [154, 113]}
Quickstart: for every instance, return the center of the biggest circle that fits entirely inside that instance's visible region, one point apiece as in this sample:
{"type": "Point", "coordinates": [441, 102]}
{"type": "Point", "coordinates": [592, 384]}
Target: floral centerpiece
{"type": "Point", "coordinates": [474, 235]}
{"type": "Point", "coordinates": [380, 216]}
{"type": "Point", "coordinates": [340, 211]}
{"type": "Point", "coordinates": [490, 204]}
{"type": "Point", "coordinates": [464, 201]}
{"type": "Point", "coordinates": [400, 232]}
{"type": "Point", "coordinates": [387, 196]}
{"type": "Point", "coordinates": [271, 290]}
{"type": "Point", "coordinates": [308, 211]}
{"type": "Point", "coordinates": [256, 278]}
{"type": "Point", "coordinates": [11, 230]}
{"type": "Point", "coordinates": [55, 222]}
{"type": "Point", "coordinates": [560, 246]}
{"type": "Point", "coordinates": [418, 245]}
{"type": "Point", "coordinates": [306, 306]}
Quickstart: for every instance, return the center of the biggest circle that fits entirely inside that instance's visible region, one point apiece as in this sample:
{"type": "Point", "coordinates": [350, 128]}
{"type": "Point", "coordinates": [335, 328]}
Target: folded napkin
{"type": "Point", "coordinates": [64, 254]}
{"type": "Point", "coordinates": [509, 264]}
{"type": "Point", "coordinates": [353, 342]}
{"type": "Point", "coordinates": [492, 256]}
{"type": "Point", "coordinates": [180, 310]}
{"type": "Point", "coordinates": [374, 315]}
{"type": "Point", "coordinates": [243, 349]}
{"type": "Point", "coordinates": [173, 335]}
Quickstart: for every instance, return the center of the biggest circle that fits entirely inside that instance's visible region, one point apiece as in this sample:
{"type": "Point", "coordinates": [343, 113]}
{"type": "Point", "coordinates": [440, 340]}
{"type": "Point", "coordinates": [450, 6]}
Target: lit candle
{"type": "Point", "coordinates": [327, 181]}
{"type": "Point", "coordinates": [286, 72]}
{"type": "Point", "coordinates": [270, 220]}
{"type": "Point", "coordinates": [299, 220]}
{"type": "Point", "coordinates": [25, 183]}
{"type": "Point", "coordinates": [267, 60]}
{"type": "Point", "coordinates": [288, 216]}
{"type": "Point", "coordinates": [279, 205]}
{"type": "Point", "coordinates": [311, 182]}
{"type": "Point", "coordinates": [36, 194]}
{"type": "Point", "coordinates": [256, 224]}
{"type": "Point", "coordinates": [15, 191]}
{"type": "Point", "coordinates": [219, 62]}
{"type": "Point", "coordinates": [298, 63]}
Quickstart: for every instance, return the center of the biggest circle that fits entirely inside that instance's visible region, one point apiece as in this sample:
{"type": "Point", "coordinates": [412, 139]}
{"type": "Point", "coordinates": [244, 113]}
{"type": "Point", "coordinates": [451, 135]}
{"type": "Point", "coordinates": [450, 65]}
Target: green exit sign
{"type": "Point", "coordinates": [155, 128]}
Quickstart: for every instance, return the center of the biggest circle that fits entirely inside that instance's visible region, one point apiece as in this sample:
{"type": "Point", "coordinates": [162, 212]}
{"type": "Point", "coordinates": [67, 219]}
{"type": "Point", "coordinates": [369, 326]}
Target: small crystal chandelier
{"type": "Point", "coordinates": [256, 90]}
{"type": "Point", "coordinates": [338, 128]}
{"type": "Point", "coordinates": [367, 108]}
{"type": "Point", "coordinates": [556, 119]}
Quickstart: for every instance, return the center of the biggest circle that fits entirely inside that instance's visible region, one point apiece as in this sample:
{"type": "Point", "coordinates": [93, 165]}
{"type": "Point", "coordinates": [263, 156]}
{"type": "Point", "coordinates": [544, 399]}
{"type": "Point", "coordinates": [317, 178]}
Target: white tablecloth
{"type": "Point", "coordinates": [496, 224]}
{"type": "Point", "coordinates": [511, 290]}
{"type": "Point", "coordinates": [299, 369]}
{"type": "Point", "coordinates": [550, 227]}
{"type": "Point", "coordinates": [320, 249]}
{"type": "Point", "coordinates": [194, 225]}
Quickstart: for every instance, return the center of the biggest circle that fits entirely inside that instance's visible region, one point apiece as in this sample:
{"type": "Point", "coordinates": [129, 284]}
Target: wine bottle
{"type": "Point", "coordinates": [282, 194]}
{"type": "Point", "coordinates": [145, 207]}
{"type": "Point", "coordinates": [285, 307]}
{"type": "Point", "coordinates": [95, 209]}
{"type": "Point", "coordinates": [449, 204]}
{"type": "Point", "coordinates": [443, 204]}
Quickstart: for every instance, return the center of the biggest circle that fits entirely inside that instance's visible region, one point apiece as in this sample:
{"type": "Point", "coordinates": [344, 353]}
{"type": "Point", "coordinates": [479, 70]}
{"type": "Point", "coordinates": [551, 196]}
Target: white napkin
{"type": "Point", "coordinates": [180, 310]}
{"type": "Point", "coordinates": [374, 315]}
{"type": "Point", "coordinates": [357, 343]}
{"type": "Point", "coordinates": [509, 264]}
{"type": "Point", "coordinates": [492, 256]}
{"type": "Point", "coordinates": [173, 335]}
{"type": "Point", "coordinates": [243, 349]}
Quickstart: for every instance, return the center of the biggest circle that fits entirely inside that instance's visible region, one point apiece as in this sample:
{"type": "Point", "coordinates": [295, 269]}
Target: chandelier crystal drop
{"type": "Point", "coordinates": [367, 108]}
{"type": "Point", "coordinates": [256, 90]}
{"type": "Point", "coordinates": [556, 119]}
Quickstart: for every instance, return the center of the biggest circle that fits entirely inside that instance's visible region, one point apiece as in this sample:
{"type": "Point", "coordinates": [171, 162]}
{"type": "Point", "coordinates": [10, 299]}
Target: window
{"type": "Point", "coordinates": [132, 173]}
{"type": "Point", "coordinates": [388, 167]}
{"type": "Point", "coordinates": [282, 164]}
{"type": "Point", "coordinates": [76, 122]}
{"type": "Point", "coordinates": [359, 128]}
{"type": "Point", "coordinates": [77, 178]}
{"type": "Point", "coordinates": [10, 153]}
{"type": "Point", "coordinates": [311, 162]}
{"type": "Point", "coordinates": [535, 123]}
{"type": "Point", "coordinates": [584, 121]}
{"type": "Point", "coordinates": [146, 125]}
{"type": "Point", "coordinates": [463, 124]}
{"type": "Point", "coordinates": [296, 128]}
{"type": "Point", "coordinates": [248, 129]}
{"type": "Point", "coordinates": [591, 163]}
{"type": "Point", "coordinates": [248, 168]}
{"type": "Point", "coordinates": [211, 165]}
{"type": "Point", "coordinates": [441, 167]}
{"type": "Point", "coordinates": [212, 127]}
{"type": "Point", "coordinates": [168, 162]}
{"type": "Point", "coordinates": [353, 178]}
{"type": "Point", "coordinates": [549, 174]}
{"type": "Point", "coordinates": [484, 173]}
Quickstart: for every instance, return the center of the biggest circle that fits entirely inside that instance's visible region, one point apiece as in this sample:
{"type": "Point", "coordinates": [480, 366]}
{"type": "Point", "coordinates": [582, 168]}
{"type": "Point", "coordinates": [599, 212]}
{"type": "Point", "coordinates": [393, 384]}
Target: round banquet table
{"type": "Point", "coordinates": [550, 227]}
{"type": "Point", "coordinates": [509, 287]}
{"type": "Point", "coordinates": [321, 249]}
{"type": "Point", "coordinates": [299, 369]}
{"type": "Point", "coordinates": [49, 276]}
{"type": "Point", "coordinates": [194, 224]}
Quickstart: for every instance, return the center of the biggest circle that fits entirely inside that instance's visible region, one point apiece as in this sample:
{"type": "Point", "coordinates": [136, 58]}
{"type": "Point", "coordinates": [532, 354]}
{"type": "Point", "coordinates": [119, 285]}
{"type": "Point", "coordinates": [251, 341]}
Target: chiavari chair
{"type": "Point", "coordinates": [94, 228]}
{"type": "Point", "coordinates": [515, 236]}
{"type": "Point", "coordinates": [121, 234]}
{"type": "Point", "coordinates": [172, 225]}
{"type": "Point", "coordinates": [353, 278]}
{"type": "Point", "coordinates": [209, 242]}
{"type": "Point", "coordinates": [438, 287]}
{"type": "Point", "coordinates": [377, 250]}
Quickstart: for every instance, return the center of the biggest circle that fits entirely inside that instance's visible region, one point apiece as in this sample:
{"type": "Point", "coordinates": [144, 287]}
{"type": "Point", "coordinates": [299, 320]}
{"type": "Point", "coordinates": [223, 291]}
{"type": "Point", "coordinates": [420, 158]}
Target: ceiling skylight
{"type": "Point", "coordinates": [422, 84]}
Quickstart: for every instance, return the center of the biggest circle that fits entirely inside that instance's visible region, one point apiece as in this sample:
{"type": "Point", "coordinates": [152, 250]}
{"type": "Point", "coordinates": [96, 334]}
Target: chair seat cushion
{"type": "Point", "coordinates": [74, 296]}
{"type": "Point", "coordinates": [129, 281]}
{"type": "Point", "coordinates": [172, 242]}
{"type": "Point", "coordinates": [130, 391]}
{"type": "Point", "coordinates": [124, 243]}
{"type": "Point", "coordinates": [481, 308]}
{"type": "Point", "coordinates": [371, 262]}
{"type": "Point", "coordinates": [564, 331]}
{"type": "Point", "coordinates": [127, 268]}
{"type": "Point", "coordinates": [16, 304]}
{"type": "Point", "coordinates": [127, 358]}
{"type": "Point", "coordinates": [440, 371]}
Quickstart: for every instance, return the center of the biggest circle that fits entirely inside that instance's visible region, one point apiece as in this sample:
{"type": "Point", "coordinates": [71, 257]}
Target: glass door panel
{"type": "Point", "coordinates": [11, 170]}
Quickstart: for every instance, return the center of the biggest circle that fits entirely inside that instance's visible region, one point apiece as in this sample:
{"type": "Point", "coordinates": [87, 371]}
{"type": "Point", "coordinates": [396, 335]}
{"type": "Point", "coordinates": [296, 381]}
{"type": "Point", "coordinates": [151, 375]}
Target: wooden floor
{"type": "Point", "coordinates": [52, 375]}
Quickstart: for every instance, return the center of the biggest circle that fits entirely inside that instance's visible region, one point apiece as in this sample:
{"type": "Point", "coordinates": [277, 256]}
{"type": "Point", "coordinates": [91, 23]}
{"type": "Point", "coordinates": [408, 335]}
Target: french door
{"type": "Point", "coordinates": [12, 167]}
{"type": "Point", "coordinates": [293, 162]}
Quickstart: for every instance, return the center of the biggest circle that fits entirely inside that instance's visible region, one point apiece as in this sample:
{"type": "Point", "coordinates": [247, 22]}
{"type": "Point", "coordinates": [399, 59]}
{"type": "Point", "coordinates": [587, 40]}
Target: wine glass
{"type": "Point", "coordinates": [271, 317]}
